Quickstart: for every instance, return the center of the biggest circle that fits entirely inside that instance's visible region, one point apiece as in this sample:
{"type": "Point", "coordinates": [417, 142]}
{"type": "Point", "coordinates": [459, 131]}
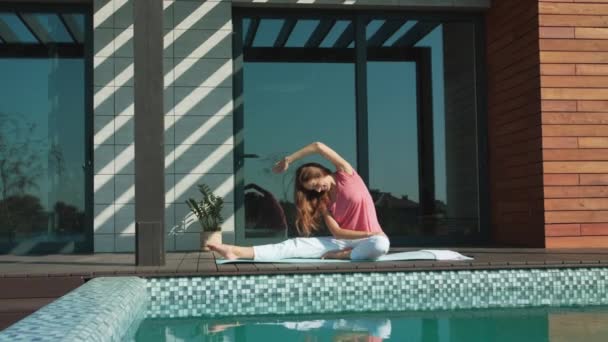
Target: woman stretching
{"type": "Point", "coordinates": [341, 199]}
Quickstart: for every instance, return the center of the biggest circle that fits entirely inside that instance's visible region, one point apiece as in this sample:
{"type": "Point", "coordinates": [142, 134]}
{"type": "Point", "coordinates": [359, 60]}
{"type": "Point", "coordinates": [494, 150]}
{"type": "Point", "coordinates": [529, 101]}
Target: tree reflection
{"type": "Point", "coordinates": [69, 220]}
{"type": "Point", "coordinates": [21, 214]}
{"type": "Point", "coordinates": [20, 156]}
{"type": "Point", "coordinates": [28, 164]}
{"type": "Point", "coordinates": [20, 168]}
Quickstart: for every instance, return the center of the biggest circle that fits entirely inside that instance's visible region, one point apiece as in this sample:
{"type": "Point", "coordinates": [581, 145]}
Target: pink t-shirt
{"type": "Point", "coordinates": [353, 207]}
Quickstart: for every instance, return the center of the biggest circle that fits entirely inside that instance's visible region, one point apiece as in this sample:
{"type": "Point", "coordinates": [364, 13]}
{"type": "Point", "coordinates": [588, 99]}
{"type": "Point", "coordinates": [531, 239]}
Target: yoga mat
{"type": "Point", "coordinates": [425, 254]}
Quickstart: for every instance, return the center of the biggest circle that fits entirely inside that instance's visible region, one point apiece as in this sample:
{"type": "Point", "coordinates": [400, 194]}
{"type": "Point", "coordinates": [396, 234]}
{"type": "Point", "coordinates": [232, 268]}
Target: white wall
{"type": "Point", "coordinates": [199, 143]}
{"type": "Point", "coordinates": [198, 117]}
{"type": "Point", "coordinates": [113, 100]}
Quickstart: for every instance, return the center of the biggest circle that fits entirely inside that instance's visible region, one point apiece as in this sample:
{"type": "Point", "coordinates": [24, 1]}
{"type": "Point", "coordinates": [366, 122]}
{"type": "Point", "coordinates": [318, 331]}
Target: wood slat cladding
{"type": "Point", "coordinates": [573, 43]}
{"type": "Point", "coordinates": [514, 123]}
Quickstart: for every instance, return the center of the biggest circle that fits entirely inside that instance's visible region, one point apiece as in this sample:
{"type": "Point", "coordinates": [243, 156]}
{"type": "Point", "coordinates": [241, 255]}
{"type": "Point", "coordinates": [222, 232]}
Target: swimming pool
{"type": "Point", "coordinates": [490, 304]}
{"type": "Point", "coordinates": [521, 325]}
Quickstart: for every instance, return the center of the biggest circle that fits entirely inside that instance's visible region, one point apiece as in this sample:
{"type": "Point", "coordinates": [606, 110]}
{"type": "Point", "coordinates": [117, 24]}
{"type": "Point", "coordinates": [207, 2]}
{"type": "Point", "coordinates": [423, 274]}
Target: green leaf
{"type": "Point", "coordinates": [208, 210]}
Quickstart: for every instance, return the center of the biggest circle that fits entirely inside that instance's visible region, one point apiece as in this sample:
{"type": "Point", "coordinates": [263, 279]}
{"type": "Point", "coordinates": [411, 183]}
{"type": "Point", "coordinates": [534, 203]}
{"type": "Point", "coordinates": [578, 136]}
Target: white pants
{"type": "Point", "coordinates": [362, 249]}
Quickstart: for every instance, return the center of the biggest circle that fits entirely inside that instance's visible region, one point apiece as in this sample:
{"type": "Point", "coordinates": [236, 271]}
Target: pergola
{"type": "Point", "coordinates": [296, 38]}
{"type": "Point", "coordinates": [40, 35]}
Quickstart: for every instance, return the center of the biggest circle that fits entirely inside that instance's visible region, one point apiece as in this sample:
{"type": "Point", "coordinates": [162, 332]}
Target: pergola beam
{"type": "Point", "coordinates": [415, 34]}
{"type": "Point", "coordinates": [65, 50]}
{"type": "Point", "coordinates": [253, 30]}
{"type": "Point", "coordinates": [333, 55]}
{"type": "Point", "coordinates": [72, 27]}
{"type": "Point", "coordinates": [319, 34]}
{"type": "Point", "coordinates": [384, 32]}
{"type": "Point", "coordinates": [285, 32]}
{"type": "Point", "coordinates": [35, 28]}
{"type": "Point", "coordinates": [7, 34]}
{"type": "Point", "coordinates": [347, 37]}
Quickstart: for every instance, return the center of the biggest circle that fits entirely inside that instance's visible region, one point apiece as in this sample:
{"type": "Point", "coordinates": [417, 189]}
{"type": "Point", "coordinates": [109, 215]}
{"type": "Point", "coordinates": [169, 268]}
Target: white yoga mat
{"type": "Point", "coordinates": [424, 254]}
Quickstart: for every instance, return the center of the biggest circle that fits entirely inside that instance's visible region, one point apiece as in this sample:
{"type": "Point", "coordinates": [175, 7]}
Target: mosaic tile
{"type": "Point", "coordinates": [399, 291]}
{"type": "Point", "coordinates": [100, 310]}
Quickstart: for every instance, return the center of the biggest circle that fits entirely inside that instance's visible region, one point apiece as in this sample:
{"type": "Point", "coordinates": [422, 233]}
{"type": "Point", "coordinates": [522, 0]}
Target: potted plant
{"type": "Point", "coordinates": [209, 213]}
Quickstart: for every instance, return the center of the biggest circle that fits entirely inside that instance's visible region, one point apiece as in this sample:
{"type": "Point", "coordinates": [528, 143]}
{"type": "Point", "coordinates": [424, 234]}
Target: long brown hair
{"type": "Point", "coordinates": [309, 204]}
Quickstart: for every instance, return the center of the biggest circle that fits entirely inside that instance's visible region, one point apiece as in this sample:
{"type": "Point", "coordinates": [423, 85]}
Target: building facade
{"type": "Point", "coordinates": [472, 121]}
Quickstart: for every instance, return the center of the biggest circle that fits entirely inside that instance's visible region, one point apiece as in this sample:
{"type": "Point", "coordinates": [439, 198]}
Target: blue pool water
{"type": "Point", "coordinates": [519, 325]}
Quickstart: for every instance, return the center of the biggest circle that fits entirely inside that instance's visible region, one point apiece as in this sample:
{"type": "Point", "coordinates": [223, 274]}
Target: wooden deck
{"type": "Point", "coordinates": [29, 282]}
{"type": "Point", "coordinates": [203, 264]}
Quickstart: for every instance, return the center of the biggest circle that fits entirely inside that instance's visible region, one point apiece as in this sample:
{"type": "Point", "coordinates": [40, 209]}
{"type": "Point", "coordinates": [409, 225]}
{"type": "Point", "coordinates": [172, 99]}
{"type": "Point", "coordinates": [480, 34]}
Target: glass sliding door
{"type": "Point", "coordinates": [298, 99]}
{"type": "Point", "coordinates": [279, 119]}
{"type": "Point", "coordinates": [44, 151]}
{"type": "Point", "coordinates": [395, 94]}
{"type": "Point", "coordinates": [393, 145]}
{"type": "Point", "coordinates": [422, 112]}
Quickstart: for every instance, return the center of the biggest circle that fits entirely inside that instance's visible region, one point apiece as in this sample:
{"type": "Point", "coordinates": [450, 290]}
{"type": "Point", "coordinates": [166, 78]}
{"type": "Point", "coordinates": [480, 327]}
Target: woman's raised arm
{"type": "Point", "coordinates": [316, 147]}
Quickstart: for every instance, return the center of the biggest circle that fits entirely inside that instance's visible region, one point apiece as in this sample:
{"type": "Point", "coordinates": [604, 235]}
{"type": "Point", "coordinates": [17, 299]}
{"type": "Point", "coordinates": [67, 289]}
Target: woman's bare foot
{"type": "Point", "coordinates": [222, 327]}
{"type": "Point", "coordinates": [343, 254]}
{"type": "Point", "coordinates": [226, 251]}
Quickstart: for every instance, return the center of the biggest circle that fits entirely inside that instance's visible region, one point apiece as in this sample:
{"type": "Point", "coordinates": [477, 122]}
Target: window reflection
{"type": "Point", "coordinates": [287, 106]}
{"type": "Point", "coordinates": [42, 144]}
{"type": "Point", "coordinates": [393, 147]}
{"type": "Point", "coordinates": [263, 210]}
{"type": "Point", "coordinates": [422, 129]}
{"type": "Point", "coordinates": [420, 114]}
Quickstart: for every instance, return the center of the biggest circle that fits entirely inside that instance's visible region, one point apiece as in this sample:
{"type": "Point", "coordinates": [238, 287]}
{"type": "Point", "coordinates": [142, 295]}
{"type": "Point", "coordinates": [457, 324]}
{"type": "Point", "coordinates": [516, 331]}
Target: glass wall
{"type": "Point", "coordinates": [422, 117]}
{"type": "Point", "coordinates": [279, 119]}
{"type": "Point", "coordinates": [396, 95]}
{"type": "Point", "coordinates": [43, 136]}
{"type": "Point", "coordinates": [289, 103]}
{"type": "Point", "coordinates": [393, 144]}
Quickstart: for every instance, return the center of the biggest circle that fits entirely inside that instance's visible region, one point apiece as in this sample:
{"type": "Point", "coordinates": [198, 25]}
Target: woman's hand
{"type": "Point", "coordinates": [316, 147]}
{"type": "Point", "coordinates": [281, 166]}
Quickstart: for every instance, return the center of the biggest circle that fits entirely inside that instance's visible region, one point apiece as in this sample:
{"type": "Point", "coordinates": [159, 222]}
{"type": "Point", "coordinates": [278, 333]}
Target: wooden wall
{"type": "Point", "coordinates": [574, 95]}
{"type": "Point", "coordinates": [514, 123]}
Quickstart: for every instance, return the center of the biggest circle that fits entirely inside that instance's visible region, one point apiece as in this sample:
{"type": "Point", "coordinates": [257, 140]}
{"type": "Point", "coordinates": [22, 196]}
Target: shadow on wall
{"type": "Point", "coordinates": [198, 108]}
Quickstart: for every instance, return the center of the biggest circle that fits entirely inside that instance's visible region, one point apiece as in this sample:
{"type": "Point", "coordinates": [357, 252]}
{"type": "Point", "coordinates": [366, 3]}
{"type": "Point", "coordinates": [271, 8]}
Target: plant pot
{"type": "Point", "coordinates": [210, 237]}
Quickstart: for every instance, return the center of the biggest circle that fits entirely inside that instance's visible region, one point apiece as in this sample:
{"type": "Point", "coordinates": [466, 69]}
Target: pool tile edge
{"type": "Point", "coordinates": [100, 310]}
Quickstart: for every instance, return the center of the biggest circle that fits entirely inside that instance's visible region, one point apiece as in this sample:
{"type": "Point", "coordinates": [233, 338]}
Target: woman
{"type": "Point", "coordinates": [340, 199]}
